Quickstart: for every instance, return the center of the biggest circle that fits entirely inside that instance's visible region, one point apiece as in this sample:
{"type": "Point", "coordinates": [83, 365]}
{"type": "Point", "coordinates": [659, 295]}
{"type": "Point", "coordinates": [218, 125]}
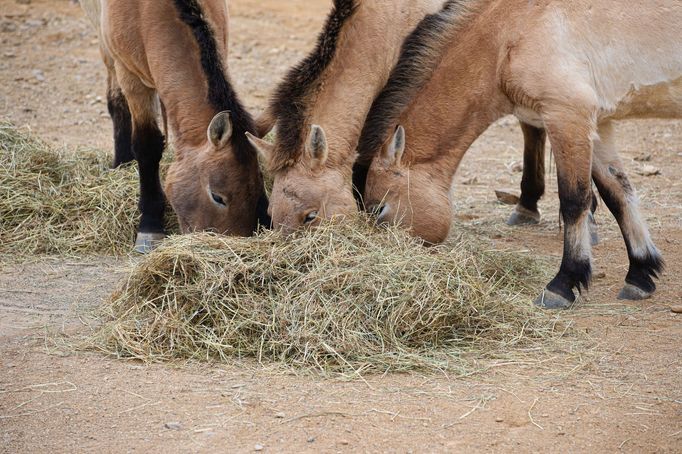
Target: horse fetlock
{"type": "Point", "coordinates": [147, 242]}
{"type": "Point", "coordinates": [639, 282]}
{"type": "Point", "coordinates": [523, 216]}
{"type": "Point", "coordinates": [592, 227]}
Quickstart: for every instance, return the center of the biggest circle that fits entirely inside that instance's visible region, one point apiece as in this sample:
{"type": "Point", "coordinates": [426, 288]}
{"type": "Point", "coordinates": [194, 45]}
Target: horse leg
{"type": "Point", "coordinates": [147, 145]}
{"type": "Point", "coordinates": [570, 131]}
{"type": "Point", "coordinates": [591, 222]}
{"type": "Point", "coordinates": [533, 180]}
{"type": "Point", "coordinates": [120, 115]}
{"type": "Point", "coordinates": [621, 199]}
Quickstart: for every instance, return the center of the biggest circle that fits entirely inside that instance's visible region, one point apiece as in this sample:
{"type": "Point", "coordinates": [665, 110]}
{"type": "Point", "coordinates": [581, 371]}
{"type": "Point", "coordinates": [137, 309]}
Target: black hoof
{"type": "Point", "coordinates": [147, 242]}
{"type": "Point", "coordinates": [523, 216]}
{"type": "Point", "coordinates": [633, 293]}
{"type": "Point", "coordinates": [550, 300]}
{"type": "Point", "coordinates": [592, 226]}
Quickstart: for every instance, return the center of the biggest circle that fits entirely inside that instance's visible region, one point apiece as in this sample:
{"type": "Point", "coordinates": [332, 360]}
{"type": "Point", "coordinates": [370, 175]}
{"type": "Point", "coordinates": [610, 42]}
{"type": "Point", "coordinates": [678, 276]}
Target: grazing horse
{"type": "Point", "coordinates": [568, 68]}
{"type": "Point", "coordinates": [174, 52]}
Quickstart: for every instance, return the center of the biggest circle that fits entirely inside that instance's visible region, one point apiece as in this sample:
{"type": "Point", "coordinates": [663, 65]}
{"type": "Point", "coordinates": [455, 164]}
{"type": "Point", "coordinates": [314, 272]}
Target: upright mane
{"type": "Point", "coordinates": [221, 94]}
{"type": "Point", "coordinates": [420, 54]}
{"type": "Point", "coordinates": [289, 103]}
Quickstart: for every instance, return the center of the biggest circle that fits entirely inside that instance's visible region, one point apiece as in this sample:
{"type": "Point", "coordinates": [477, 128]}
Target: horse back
{"type": "Point", "coordinates": [624, 59]}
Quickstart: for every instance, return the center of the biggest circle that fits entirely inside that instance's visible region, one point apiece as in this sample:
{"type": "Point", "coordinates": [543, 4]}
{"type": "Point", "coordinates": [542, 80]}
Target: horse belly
{"type": "Point", "coordinates": [662, 100]}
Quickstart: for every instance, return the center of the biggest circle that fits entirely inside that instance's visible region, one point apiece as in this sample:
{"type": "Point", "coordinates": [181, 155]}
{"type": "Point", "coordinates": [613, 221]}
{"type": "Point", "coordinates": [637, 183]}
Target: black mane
{"type": "Point", "coordinates": [221, 94]}
{"type": "Point", "coordinates": [291, 96]}
{"type": "Point", "coordinates": [420, 54]}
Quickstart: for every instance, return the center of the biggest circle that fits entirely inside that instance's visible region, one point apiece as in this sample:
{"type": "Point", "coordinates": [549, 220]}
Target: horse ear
{"type": "Point", "coordinates": [396, 148]}
{"type": "Point", "coordinates": [220, 129]}
{"type": "Point", "coordinates": [316, 146]}
{"type": "Point", "coordinates": [264, 149]}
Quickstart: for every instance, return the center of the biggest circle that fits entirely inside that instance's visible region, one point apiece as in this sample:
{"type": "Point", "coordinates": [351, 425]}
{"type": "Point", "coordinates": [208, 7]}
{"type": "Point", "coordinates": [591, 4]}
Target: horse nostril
{"type": "Point", "coordinates": [381, 213]}
{"type": "Point", "coordinates": [377, 209]}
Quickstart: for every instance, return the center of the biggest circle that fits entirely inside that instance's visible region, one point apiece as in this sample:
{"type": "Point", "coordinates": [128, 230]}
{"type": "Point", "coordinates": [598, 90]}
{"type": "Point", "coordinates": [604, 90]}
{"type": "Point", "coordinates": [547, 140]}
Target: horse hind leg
{"type": "Point", "coordinates": [117, 104]}
{"type": "Point", "coordinates": [621, 199]}
{"type": "Point", "coordinates": [533, 180]}
{"type": "Point", "coordinates": [147, 145]}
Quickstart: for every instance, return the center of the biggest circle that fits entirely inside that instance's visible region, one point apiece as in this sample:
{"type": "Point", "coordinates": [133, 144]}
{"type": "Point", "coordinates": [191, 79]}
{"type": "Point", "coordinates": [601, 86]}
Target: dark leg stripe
{"type": "Point", "coordinates": [148, 143]}
{"type": "Point", "coordinates": [533, 181]}
{"type": "Point", "coordinates": [123, 127]}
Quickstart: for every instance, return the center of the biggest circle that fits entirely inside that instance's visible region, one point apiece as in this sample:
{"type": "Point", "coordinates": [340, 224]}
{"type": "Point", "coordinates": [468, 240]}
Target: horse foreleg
{"type": "Point", "coordinates": [533, 182]}
{"type": "Point", "coordinates": [570, 132]}
{"type": "Point", "coordinates": [148, 146]}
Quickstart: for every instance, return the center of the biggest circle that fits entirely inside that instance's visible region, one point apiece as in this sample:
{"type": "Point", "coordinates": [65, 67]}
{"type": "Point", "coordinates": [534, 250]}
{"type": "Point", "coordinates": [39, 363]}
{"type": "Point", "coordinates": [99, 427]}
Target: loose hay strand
{"type": "Point", "coordinates": [346, 299]}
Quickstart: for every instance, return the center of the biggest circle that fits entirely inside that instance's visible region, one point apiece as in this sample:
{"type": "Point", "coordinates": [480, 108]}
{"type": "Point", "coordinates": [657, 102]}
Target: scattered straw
{"type": "Point", "coordinates": [347, 298]}
{"type": "Point", "coordinates": [54, 201]}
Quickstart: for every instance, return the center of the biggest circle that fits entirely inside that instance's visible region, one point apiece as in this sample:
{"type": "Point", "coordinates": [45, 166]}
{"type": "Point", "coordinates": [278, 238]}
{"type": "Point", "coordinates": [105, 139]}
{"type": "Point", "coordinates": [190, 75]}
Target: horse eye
{"type": "Point", "coordinates": [310, 217]}
{"type": "Point", "coordinates": [217, 199]}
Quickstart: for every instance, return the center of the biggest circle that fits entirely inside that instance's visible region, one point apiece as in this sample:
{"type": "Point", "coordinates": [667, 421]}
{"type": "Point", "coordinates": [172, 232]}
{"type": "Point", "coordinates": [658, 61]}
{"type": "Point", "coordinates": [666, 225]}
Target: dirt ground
{"type": "Point", "coordinates": [626, 396]}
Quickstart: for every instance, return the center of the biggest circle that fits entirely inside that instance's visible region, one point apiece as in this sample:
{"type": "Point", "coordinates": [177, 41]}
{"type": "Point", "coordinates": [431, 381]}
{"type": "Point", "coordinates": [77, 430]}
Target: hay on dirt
{"type": "Point", "coordinates": [344, 298]}
{"type": "Point", "coordinates": [58, 201]}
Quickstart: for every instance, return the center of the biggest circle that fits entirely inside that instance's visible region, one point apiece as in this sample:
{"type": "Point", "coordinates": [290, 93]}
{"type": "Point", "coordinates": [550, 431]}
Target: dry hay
{"type": "Point", "coordinates": [343, 299]}
{"type": "Point", "coordinates": [56, 201]}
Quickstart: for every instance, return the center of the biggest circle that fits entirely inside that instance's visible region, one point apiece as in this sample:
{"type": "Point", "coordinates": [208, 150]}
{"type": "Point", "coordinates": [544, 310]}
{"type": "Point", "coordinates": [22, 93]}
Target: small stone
{"type": "Point", "coordinates": [470, 181]}
{"type": "Point", "coordinates": [498, 419]}
{"type": "Point", "coordinates": [516, 166]}
{"type": "Point", "coordinates": [173, 425]}
{"type": "Point", "coordinates": [7, 26]}
{"type": "Point", "coordinates": [648, 171]}
{"type": "Point", "coordinates": [38, 74]}
{"type": "Point", "coordinates": [600, 275]}
{"type": "Point", "coordinates": [280, 415]}
{"type": "Point", "coordinates": [258, 448]}
{"type": "Point", "coordinates": [344, 442]}
{"type": "Point", "coordinates": [507, 197]}
{"type": "Point", "coordinates": [643, 158]}
{"type": "Point", "coordinates": [676, 309]}
{"type": "Point", "coordinates": [311, 440]}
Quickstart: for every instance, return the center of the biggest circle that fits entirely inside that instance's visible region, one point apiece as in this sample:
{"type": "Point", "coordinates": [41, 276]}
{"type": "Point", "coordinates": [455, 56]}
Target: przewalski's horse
{"type": "Point", "coordinates": [320, 107]}
{"type": "Point", "coordinates": [177, 50]}
{"type": "Point", "coordinates": [420, 51]}
{"type": "Point", "coordinates": [569, 68]}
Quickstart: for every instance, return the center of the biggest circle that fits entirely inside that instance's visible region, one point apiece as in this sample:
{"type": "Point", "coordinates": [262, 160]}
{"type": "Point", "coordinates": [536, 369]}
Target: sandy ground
{"type": "Point", "coordinates": [626, 396]}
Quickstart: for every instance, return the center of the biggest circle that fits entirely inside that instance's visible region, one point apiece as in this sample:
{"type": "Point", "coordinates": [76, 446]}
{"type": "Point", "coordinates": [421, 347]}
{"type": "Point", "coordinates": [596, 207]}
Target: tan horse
{"type": "Point", "coordinates": [320, 107]}
{"type": "Point", "coordinates": [176, 51]}
{"type": "Point", "coordinates": [569, 68]}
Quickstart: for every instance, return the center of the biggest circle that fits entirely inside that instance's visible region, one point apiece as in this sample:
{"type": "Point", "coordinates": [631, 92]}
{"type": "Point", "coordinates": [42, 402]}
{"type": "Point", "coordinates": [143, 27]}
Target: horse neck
{"type": "Point", "coordinates": [462, 99]}
{"type": "Point", "coordinates": [188, 118]}
{"type": "Point", "coordinates": [359, 70]}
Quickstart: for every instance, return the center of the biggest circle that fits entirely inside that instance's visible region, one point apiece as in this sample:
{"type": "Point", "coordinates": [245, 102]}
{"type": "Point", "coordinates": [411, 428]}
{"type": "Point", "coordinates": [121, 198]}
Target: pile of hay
{"type": "Point", "coordinates": [349, 298]}
{"type": "Point", "coordinates": [56, 201]}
